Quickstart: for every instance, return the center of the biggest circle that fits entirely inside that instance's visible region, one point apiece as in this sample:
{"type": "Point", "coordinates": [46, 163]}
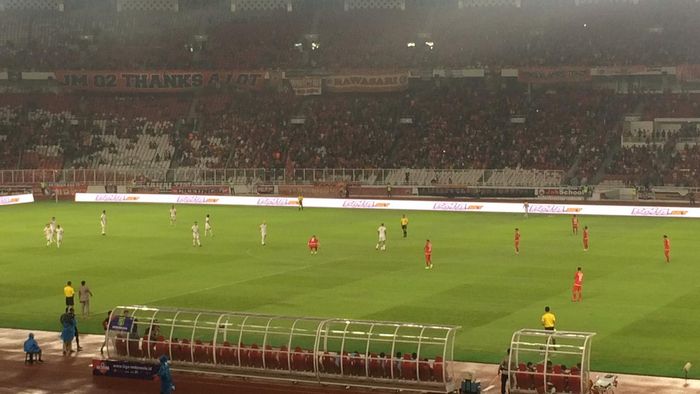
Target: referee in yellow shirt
{"type": "Point", "coordinates": [548, 320]}
{"type": "Point", "coordinates": [404, 225]}
{"type": "Point", "coordinates": [69, 292]}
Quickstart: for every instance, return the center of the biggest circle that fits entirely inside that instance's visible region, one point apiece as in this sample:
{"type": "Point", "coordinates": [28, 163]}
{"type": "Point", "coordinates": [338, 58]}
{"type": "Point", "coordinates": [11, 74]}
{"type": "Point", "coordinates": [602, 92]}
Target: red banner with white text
{"type": "Point", "coordinates": [688, 72]}
{"type": "Point", "coordinates": [367, 82]}
{"type": "Point", "coordinates": [554, 74]}
{"type": "Point", "coordinates": [159, 81]}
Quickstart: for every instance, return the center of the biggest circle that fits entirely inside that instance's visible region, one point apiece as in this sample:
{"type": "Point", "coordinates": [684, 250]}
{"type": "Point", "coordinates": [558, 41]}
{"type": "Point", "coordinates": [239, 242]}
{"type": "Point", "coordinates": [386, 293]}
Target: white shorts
{"type": "Point", "coordinates": [207, 227]}
{"type": "Point", "coordinates": [382, 239]}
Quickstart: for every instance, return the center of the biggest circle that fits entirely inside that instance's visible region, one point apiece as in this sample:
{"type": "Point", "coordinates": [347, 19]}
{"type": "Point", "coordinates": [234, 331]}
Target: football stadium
{"type": "Point", "coordinates": [363, 196]}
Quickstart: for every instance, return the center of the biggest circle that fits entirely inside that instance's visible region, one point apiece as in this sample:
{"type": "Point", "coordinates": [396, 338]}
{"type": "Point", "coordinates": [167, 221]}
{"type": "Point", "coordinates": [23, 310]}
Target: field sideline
{"type": "Point", "coordinates": [645, 312]}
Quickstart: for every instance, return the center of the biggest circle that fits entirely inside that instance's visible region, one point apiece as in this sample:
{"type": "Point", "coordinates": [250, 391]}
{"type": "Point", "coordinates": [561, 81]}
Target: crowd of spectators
{"type": "Point", "coordinates": [324, 36]}
{"type": "Point", "coordinates": [461, 125]}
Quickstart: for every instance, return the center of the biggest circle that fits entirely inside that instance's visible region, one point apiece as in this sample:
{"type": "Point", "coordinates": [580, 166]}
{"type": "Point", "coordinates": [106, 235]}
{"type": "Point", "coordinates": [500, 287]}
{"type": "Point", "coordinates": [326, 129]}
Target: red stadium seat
{"type": "Point", "coordinates": [408, 367]}
{"type": "Point", "coordinates": [162, 348]}
{"type": "Point", "coordinates": [539, 378]}
{"type": "Point", "coordinates": [226, 354]}
{"type": "Point", "coordinates": [147, 348]}
{"type": "Point", "coordinates": [271, 358]}
{"type": "Point", "coordinates": [255, 356]}
{"type": "Point", "coordinates": [558, 379]}
{"type": "Point", "coordinates": [201, 354]}
{"type": "Point", "coordinates": [346, 363]}
{"type": "Point", "coordinates": [425, 373]}
{"type": "Point", "coordinates": [438, 369]}
{"type": "Point", "coordinates": [328, 364]}
{"type": "Point", "coordinates": [134, 349]}
{"type": "Point", "coordinates": [575, 381]}
{"type": "Point", "coordinates": [298, 359]}
{"type": "Point", "coordinates": [283, 358]}
{"type": "Point", "coordinates": [308, 361]}
{"type": "Point", "coordinates": [243, 355]}
{"type": "Point", "coordinates": [120, 345]}
{"type": "Point", "coordinates": [185, 351]}
{"type": "Point", "coordinates": [375, 366]}
{"type": "Point", "coordinates": [524, 377]}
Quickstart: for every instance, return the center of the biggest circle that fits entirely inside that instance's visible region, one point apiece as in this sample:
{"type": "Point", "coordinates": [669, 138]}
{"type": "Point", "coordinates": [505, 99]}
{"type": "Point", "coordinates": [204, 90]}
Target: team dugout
{"type": "Point", "coordinates": [330, 351]}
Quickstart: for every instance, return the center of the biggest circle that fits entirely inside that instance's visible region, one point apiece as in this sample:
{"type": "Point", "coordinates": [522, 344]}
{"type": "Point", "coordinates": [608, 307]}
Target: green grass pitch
{"type": "Point", "coordinates": [646, 312]}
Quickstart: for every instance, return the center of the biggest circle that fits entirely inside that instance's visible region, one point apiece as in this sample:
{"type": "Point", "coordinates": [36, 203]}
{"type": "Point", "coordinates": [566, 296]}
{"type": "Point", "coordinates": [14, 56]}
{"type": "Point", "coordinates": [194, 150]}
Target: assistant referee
{"type": "Point", "coordinates": [69, 292]}
{"type": "Point", "coordinates": [548, 320]}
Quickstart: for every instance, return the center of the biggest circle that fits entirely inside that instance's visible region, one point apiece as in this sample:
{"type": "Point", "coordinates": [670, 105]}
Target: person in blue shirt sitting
{"type": "Point", "coordinates": [32, 348]}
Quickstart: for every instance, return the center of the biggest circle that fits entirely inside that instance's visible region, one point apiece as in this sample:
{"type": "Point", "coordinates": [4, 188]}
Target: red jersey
{"type": "Point", "coordinates": [667, 244]}
{"type": "Point", "coordinates": [313, 242]}
{"type": "Point", "coordinates": [578, 278]}
{"type": "Point", "coordinates": [428, 249]}
{"type": "Point", "coordinates": [585, 234]}
{"type": "Point", "coordinates": [517, 236]}
{"type": "Point", "coordinates": [574, 221]}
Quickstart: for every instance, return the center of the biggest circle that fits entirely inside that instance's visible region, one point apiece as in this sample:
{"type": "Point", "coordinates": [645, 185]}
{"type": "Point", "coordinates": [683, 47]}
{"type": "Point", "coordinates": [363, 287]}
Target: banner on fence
{"type": "Point", "coordinates": [621, 71]}
{"type": "Point", "coordinates": [407, 205]}
{"type": "Point", "coordinates": [124, 369]}
{"type": "Point", "coordinates": [306, 86]}
{"type": "Point", "coordinates": [554, 74]}
{"type": "Point", "coordinates": [217, 190]}
{"type": "Point", "coordinates": [67, 191]}
{"type": "Point", "coordinates": [159, 80]}
{"type": "Point", "coordinates": [16, 199]}
{"type": "Point", "coordinates": [369, 82]}
{"type": "Point", "coordinates": [688, 72]}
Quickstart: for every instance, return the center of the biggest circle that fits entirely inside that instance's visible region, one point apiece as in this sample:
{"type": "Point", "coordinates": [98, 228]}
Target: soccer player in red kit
{"type": "Point", "coordinates": [574, 224]}
{"type": "Point", "coordinates": [578, 284]}
{"type": "Point", "coordinates": [313, 244]}
{"type": "Point", "coordinates": [428, 250]}
{"type": "Point", "coordinates": [585, 238]}
{"type": "Point", "coordinates": [667, 248]}
{"type": "Point", "coordinates": [517, 241]}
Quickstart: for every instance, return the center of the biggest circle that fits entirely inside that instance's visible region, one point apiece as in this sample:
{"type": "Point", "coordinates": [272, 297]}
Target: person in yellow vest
{"type": "Point", "coordinates": [300, 202]}
{"type": "Point", "coordinates": [548, 321]}
{"type": "Point", "coordinates": [404, 225]}
{"type": "Point", "coordinates": [69, 292]}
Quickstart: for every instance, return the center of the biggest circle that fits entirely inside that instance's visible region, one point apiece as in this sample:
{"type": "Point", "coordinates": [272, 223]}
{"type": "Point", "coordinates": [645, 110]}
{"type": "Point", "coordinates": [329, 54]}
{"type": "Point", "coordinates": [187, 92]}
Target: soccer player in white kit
{"type": "Point", "coordinates": [173, 215]}
{"type": "Point", "coordinates": [195, 235]}
{"type": "Point", "coordinates": [103, 222]}
{"type": "Point", "coordinates": [381, 243]}
{"type": "Point", "coordinates": [263, 233]}
{"type": "Point", "coordinates": [207, 227]}
{"type": "Point", "coordinates": [52, 225]}
{"type": "Point", "coordinates": [59, 236]}
{"type": "Point", "coordinates": [47, 234]}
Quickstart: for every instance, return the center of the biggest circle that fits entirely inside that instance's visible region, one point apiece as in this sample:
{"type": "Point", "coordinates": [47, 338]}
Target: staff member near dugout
{"type": "Point", "coordinates": [548, 320]}
{"type": "Point", "coordinates": [69, 292]}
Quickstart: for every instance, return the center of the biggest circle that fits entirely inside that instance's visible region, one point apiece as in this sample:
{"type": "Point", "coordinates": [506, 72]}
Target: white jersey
{"type": "Point", "coordinates": [47, 232]}
{"type": "Point", "coordinates": [52, 226]}
{"type": "Point", "coordinates": [382, 233]}
{"type": "Point", "coordinates": [195, 230]}
{"type": "Point", "coordinates": [59, 234]}
{"type": "Point", "coordinates": [207, 224]}
{"type": "Point", "coordinates": [263, 229]}
{"type": "Point", "coordinates": [173, 213]}
{"type": "Point", "coordinates": [103, 219]}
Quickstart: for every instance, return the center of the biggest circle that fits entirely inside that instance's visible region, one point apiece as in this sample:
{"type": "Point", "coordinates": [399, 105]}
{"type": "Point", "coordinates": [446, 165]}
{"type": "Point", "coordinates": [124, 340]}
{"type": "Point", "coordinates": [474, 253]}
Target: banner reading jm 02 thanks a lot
{"type": "Point", "coordinates": [159, 81]}
{"type": "Point", "coordinates": [367, 82]}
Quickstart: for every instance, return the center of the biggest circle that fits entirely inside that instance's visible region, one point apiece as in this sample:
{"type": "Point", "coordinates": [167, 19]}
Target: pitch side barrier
{"type": "Point", "coordinates": [363, 353]}
{"type": "Point", "coordinates": [403, 205]}
{"type": "Point", "coordinates": [16, 199]}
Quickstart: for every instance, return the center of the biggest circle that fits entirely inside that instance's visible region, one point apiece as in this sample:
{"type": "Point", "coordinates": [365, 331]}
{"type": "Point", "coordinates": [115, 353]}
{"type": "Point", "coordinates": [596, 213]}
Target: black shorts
{"type": "Point", "coordinates": [404, 226]}
{"type": "Point", "coordinates": [69, 301]}
{"type": "Point", "coordinates": [549, 328]}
